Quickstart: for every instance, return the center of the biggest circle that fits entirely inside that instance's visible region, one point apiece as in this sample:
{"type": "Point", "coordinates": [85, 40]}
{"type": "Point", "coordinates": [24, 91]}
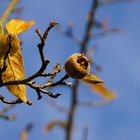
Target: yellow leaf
{"type": "Point", "coordinates": [15, 71]}
{"type": "Point", "coordinates": [1, 29]}
{"type": "Point", "coordinates": [3, 45]}
{"type": "Point", "coordinates": [92, 79]}
{"type": "Point", "coordinates": [14, 27]}
{"type": "Point", "coordinates": [103, 91]}
{"type": "Point", "coordinates": [17, 26]}
{"type": "Point", "coordinates": [5, 40]}
{"type": "Point", "coordinates": [15, 43]}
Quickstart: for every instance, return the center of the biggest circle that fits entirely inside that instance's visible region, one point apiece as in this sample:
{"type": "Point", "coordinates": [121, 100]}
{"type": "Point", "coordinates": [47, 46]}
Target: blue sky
{"type": "Point", "coordinates": [118, 54]}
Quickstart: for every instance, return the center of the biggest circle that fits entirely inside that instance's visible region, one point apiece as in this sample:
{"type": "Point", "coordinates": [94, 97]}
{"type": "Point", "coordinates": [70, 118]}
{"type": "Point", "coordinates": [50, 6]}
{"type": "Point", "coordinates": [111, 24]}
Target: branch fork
{"type": "Point", "coordinates": [40, 73]}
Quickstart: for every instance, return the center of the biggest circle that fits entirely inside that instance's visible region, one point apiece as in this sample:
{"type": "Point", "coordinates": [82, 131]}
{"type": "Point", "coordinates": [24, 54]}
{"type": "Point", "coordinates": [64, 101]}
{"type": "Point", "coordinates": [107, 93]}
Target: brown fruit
{"type": "Point", "coordinates": [77, 66]}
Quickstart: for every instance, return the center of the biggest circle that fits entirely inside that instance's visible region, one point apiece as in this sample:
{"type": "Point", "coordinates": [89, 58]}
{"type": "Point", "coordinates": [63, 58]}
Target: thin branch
{"type": "Point", "coordinates": [58, 106]}
{"type": "Point", "coordinates": [45, 62]}
{"type": "Point", "coordinates": [25, 133]}
{"type": "Point", "coordinates": [85, 133]}
{"type": "Point", "coordinates": [7, 117]}
{"type": "Point", "coordinates": [17, 101]}
{"type": "Point", "coordinates": [51, 25]}
{"type": "Point", "coordinates": [108, 2]}
{"type": "Point", "coordinates": [86, 39]}
{"type": "Point", "coordinates": [106, 32]}
{"type": "Point", "coordinates": [40, 73]}
{"type": "Point", "coordinates": [39, 90]}
{"type": "Point", "coordinates": [61, 81]}
{"type": "Point", "coordinates": [89, 25]}
{"type": "Point", "coordinates": [93, 103]}
{"type": "Point", "coordinates": [71, 36]}
{"type": "Point", "coordinates": [57, 68]}
{"type": "Point", "coordinates": [71, 114]}
{"type": "Point", "coordinates": [4, 110]}
{"type": "Point", "coordinates": [10, 8]}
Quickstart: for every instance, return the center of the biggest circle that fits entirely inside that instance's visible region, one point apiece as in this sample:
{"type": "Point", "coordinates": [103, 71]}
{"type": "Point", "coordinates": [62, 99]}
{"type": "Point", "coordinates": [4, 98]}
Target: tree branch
{"type": "Point", "coordinates": [89, 26]}
{"type": "Point", "coordinates": [17, 101]}
{"type": "Point", "coordinates": [10, 8]}
{"type": "Point", "coordinates": [7, 117]}
{"type": "Point", "coordinates": [24, 134]}
{"type": "Point", "coordinates": [40, 73]}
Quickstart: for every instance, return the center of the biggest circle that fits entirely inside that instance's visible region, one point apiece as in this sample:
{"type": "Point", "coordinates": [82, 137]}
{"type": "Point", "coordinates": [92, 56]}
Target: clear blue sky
{"type": "Point", "coordinates": [118, 54]}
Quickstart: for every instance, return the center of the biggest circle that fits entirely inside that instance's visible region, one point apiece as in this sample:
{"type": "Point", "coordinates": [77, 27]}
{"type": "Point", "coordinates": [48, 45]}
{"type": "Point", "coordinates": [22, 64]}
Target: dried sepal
{"type": "Point", "coordinates": [92, 79]}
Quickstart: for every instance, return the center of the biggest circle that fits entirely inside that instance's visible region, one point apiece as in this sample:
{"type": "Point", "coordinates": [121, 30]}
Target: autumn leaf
{"type": "Point", "coordinates": [13, 27]}
{"type": "Point", "coordinates": [5, 40]}
{"type": "Point", "coordinates": [2, 44]}
{"type": "Point", "coordinates": [102, 90]}
{"type": "Point", "coordinates": [17, 26]}
{"type": "Point", "coordinates": [14, 62]}
{"type": "Point", "coordinates": [1, 29]}
{"type": "Point", "coordinates": [15, 71]}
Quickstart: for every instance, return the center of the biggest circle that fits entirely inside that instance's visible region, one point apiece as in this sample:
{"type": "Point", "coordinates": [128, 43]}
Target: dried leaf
{"type": "Point", "coordinates": [103, 91]}
{"type": "Point", "coordinates": [53, 124]}
{"type": "Point", "coordinates": [92, 79]}
{"type": "Point", "coordinates": [15, 71]}
{"type": "Point", "coordinates": [17, 26]}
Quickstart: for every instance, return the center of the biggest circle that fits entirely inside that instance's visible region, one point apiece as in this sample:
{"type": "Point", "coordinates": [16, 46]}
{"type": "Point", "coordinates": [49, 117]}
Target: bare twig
{"type": "Point", "coordinates": [70, 35]}
{"type": "Point", "coordinates": [61, 81]}
{"type": "Point", "coordinates": [93, 103]}
{"type": "Point", "coordinates": [24, 134]}
{"type": "Point", "coordinates": [85, 133]}
{"type": "Point", "coordinates": [89, 26]}
{"type": "Point", "coordinates": [17, 101]}
{"type": "Point", "coordinates": [40, 73]}
{"type": "Point", "coordinates": [4, 110]}
{"type": "Point", "coordinates": [108, 2]}
{"type": "Point", "coordinates": [58, 106]}
{"type": "Point", "coordinates": [71, 114]}
{"type": "Point", "coordinates": [10, 8]}
{"type": "Point", "coordinates": [39, 90]}
{"type": "Point", "coordinates": [57, 68]}
{"type": "Point", "coordinates": [7, 117]}
{"type": "Point", "coordinates": [106, 32]}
